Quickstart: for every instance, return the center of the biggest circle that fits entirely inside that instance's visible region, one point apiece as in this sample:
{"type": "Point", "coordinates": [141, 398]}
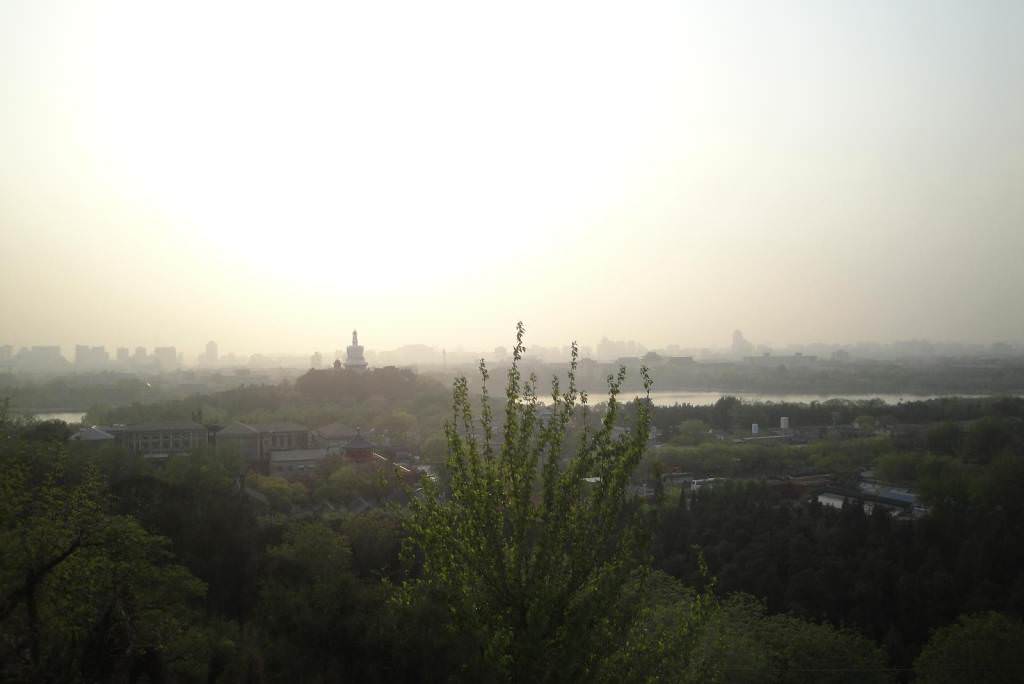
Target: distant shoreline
{"type": "Point", "coordinates": [707, 397]}
{"type": "Point", "coordinates": [71, 417]}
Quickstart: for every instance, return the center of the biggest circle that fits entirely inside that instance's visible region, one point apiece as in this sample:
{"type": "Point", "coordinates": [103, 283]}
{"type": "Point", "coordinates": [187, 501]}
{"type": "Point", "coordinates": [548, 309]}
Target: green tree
{"type": "Point", "coordinates": [375, 537]}
{"type": "Point", "coordinates": [434, 449]}
{"type": "Point", "coordinates": [530, 548]}
{"type": "Point", "coordinates": [399, 426]}
{"type": "Point", "coordinates": [372, 481]}
{"type": "Point", "coordinates": [85, 594]}
{"type": "Point", "coordinates": [945, 438]}
{"type": "Point", "coordinates": [977, 648]}
{"type": "Point", "coordinates": [280, 493]}
{"type": "Point", "coordinates": [691, 432]}
{"type": "Point", "coordinates": [986, 438]}
{"type": "Point", "coordinates": [317, 616]}
{"type": "Point", "coordinates": [724, 412]}
{"type": "Point", "coordinates": [866, 423]}
{"type": "Point", "coordinates": [741, 643]}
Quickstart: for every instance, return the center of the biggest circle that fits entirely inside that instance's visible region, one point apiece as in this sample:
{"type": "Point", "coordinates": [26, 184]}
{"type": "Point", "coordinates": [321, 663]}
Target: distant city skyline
{"type": "Point", "coordinates": [211, 355]}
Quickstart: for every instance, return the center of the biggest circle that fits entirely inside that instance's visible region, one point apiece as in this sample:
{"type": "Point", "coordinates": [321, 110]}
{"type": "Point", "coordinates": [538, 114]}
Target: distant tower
{"type": "Point", "coordinates": [354, 354]}
{"type": "Point", "coordinates": [212, 354]}
{"type": "Point", "coordinates": [740, 345]}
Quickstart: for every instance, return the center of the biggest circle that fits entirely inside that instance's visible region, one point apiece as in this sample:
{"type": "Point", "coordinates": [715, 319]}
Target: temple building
{"type": "Point", "coordinates": [354, 354]}
{"type": "Point", "coordinates": [360, 449]}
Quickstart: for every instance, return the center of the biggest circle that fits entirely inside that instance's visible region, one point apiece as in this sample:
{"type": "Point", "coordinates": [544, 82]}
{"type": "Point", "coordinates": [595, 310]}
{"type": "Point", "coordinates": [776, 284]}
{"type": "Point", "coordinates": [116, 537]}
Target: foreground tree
{"type": "Point", "coordinates": [318, 617]}
{"type": "Point", "coordinates": [533, 541]}
{"type": "Point", "coordinates": [977, 648]}
{"type": "Point", "coordinates": [86, 594]}
{"type": "Point", "coordinates": [740, 642]}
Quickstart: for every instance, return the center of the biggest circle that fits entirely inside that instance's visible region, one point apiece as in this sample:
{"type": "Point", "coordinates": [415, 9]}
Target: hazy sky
{"type": "Point", "coordinates": [273, 174]}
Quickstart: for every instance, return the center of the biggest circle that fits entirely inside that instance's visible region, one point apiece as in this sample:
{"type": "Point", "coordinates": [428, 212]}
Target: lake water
{"type": "Point", "coordinates": [708, 398]}
{"type": "Point", "coordinates": [67, 417]}
{"type": "Point", "coordinates": [670, 398]}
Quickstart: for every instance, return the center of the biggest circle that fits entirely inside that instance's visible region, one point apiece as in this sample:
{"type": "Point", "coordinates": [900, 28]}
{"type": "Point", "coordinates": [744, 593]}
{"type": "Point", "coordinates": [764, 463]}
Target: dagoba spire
{"type": "Point", "coordinates": [354, 359]}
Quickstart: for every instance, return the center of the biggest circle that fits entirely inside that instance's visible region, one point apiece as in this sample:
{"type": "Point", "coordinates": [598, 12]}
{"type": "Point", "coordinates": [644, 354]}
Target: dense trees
{"type": "Point", "coordinates": [398, 406]}
{"type": "Point", "coordinates": [891, 580]}
{"type": "Point", "coordinates": [530, 550]}
{"type": "Point", "coordinates": [528, 557]}
{"type": "Point", "coordinates": [85, 593]}
{"type": "Point", "coordinates": [984, 647]}
{"type": "Point", "coordinates": [729, 412]}
{"type": "Point", "coordinates": [317, 617]}
{"type": "Point", "coordinates": [80, 390]}
{"type": "Point", "coordinates": [742, 643]}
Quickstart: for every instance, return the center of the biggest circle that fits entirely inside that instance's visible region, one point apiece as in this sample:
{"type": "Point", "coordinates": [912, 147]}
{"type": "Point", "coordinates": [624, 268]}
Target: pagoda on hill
{"type": "Point", "coordinates": [354, 359]}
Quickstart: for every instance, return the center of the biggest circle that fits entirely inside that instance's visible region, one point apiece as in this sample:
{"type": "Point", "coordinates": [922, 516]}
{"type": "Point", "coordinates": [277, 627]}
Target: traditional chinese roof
{"type": "Point", "coordinates": [358, 442]}
{"type": "Point", "coordinates": [282, 426]}
{"type": "Point", "coordinates": [336, 430]}
{"type": "Point", "coordinates": [91, 434]}
{"type": "Point", "coordinates": [298, 455]}
{"type": "Point", "coordinates": [238, 429]}
{"type": "Point", "coordinates": [171, 425]}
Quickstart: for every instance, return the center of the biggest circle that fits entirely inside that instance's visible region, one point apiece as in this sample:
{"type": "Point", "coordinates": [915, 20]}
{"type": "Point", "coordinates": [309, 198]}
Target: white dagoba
{"type": "Point", "coordinates": [354, 354]}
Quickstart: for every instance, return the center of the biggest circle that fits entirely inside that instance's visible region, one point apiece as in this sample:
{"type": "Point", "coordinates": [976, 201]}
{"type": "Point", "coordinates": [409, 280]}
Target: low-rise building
{"type": "Point", "coordinates": [360, 449]}
{"type": "Point", "coordinates": [92, 436]}
{"type": "Point", "coordinates": [158, 439]}
{"type": "Point", "coordinates": [335, 434]}
{"type": "Point", "coordinates": [255, 442]}
{"type": "Point", "coordinates": [297, 463]}
{"type": "Point", "coordinates": [769, 360]}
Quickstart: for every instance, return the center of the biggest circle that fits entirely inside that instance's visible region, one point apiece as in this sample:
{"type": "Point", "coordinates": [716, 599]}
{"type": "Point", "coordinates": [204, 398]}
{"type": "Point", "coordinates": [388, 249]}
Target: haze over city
{"type": "Point", "coordinates": [272, 179]}
{"type": "Point", "coordinates": [526, 342]}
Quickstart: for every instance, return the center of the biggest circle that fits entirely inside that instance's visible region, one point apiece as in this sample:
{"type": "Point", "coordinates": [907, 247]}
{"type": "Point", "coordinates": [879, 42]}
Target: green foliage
{"type": "Point", "coordinates": [281, 493]}
{"type": "Point", "coordinates": [691, 433]}
{"type": "Point", "coordinates": [373, 482]}
{"type": "Point", "coordinates": [318, 619]}
{"type": "Point", "coordinates": [945, 438]}
{"type": "Point", "coordinates": [408, 408]}
{"type": "Point", "coordinates": [376, 539]}
{"type": "Point", "coordinates": [727, 459]}
{"type": "Point", "coordinates": [196, 501]}
{"type": "Point", "coordinates": [892, 580]}
{"type": "Point", "coordinates": [914, 467]}
{"type": "Point", "coordinates": [85, 594]}
{"type": "Point", "coordinates": [530, 556]}
{"type": "Point", "coordinates": [434, 449]}
{"type": "Point", "coordinates": [847, 458]}
{"type": "Point", "coordinates": [399, 425]}
{"type": "Point", "coordinates": [986, 647]}
{"type": "Point", "coordinates": [204, 468]}
{"type": "Point", "coordinates": [986, 438]}
{"type": "Point", "coordinates": [723, 413]}
{"type": "Point", "coordinates": [866, 423]}
{"type": "Point", "coordinates": [662, 640]}
{"type": "Point", "coordinates": [741, 643]}
{"type": "Point", "coordinates": [114, 566]}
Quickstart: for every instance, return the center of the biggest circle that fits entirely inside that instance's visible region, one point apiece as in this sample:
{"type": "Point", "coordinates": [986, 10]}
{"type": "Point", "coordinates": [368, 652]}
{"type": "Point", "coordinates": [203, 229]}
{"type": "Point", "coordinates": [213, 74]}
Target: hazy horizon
{"type": "Point", "coordinates": [380, 355]}
{"type": "Point", "coordinates": [273, 176]}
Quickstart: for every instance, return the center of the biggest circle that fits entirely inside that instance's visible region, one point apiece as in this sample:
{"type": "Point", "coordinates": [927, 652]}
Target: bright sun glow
{"type": "Point", "coordinates": [429, 169]}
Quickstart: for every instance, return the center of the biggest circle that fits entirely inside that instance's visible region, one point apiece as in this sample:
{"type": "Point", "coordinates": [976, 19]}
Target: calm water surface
{"type": "Point", "coordinates": [708, 398]}
{"type": "Point", "coordinates": [671, 398]}
{"type": "Point", "coordinates": [67, 417]}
